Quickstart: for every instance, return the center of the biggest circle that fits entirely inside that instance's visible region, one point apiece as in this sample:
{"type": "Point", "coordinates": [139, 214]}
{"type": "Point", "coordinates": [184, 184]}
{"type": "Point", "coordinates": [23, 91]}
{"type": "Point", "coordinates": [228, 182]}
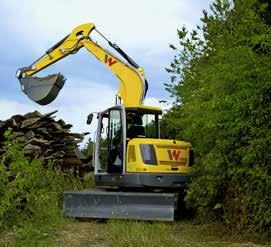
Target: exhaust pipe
{"type": "Point", "coordinates": [42, 90]}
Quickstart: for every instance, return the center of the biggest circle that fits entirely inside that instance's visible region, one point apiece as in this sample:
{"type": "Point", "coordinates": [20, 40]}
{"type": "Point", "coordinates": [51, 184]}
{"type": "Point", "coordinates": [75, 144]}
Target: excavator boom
{"type": "Point", "coordinates": [133, 85]}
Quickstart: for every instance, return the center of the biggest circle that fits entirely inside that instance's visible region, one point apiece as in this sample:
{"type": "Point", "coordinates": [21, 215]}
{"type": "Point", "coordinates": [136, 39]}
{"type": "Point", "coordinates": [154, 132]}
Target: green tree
{"type": "Point", "coordinates": [88, 148]}
{"type": "Point", "coordinates": [221, 80]}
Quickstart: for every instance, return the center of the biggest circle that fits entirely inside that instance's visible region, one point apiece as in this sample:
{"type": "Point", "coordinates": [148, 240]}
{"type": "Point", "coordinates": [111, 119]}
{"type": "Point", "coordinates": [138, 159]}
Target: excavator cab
{"type": "Point", "coordinates": [116, 127]}
{"type": "Point", "coordinates": [129, 152]}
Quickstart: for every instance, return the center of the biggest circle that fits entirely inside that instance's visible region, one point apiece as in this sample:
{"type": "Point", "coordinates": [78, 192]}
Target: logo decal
{"type": "Point", "coordinates": [174, 154]}
{"type": "Point", "coordinates": [109, 60]}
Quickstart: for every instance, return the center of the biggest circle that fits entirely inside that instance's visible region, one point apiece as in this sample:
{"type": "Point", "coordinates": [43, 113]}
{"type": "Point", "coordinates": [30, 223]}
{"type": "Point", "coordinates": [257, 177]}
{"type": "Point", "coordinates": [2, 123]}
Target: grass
{"type": "Point", "coordinates": [77, 234]}
{"type": "Point", "coordinates": [184, 233]}
{"type": "Point", "coordinates": [36, 233]}
{"type": "Point", "coordinates": [135, 233]}
{"type": "Point", "coordinates": [122, 233]}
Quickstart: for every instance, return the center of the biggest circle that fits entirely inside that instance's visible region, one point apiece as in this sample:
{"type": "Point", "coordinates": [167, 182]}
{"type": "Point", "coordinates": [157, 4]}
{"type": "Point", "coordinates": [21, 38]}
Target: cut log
{"type": "Point", "coordinates": [44, 137]}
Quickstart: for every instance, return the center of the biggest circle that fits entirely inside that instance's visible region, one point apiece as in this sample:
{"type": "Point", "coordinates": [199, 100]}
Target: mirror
{"type": "Point", "coordinates": [90, 118]}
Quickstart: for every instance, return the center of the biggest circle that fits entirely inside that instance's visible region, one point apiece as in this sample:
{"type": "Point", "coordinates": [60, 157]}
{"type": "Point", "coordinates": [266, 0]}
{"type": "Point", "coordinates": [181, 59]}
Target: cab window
{"type": "Point", "coordinates": [142, 125]}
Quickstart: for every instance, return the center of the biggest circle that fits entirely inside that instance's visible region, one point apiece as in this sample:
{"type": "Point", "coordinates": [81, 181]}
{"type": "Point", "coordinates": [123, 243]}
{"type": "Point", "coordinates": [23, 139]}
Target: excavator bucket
{"type": "Point", "coordinates": [42, 90]}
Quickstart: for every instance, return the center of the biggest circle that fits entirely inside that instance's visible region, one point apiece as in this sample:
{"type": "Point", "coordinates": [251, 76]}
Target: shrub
{"type": "Point", "coordinates": [221, 80]}
{"type": "Point", "coordinates": [30, 193]}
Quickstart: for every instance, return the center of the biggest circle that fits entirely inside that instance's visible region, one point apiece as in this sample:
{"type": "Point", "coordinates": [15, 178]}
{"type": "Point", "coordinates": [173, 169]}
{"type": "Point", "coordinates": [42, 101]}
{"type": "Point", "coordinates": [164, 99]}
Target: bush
{"type": "Point", "coordinates": [221, 80]}
{"type": "Point", "coordinates": [247, 200]}
{"type": "Point", "coordinates": [30, 193]}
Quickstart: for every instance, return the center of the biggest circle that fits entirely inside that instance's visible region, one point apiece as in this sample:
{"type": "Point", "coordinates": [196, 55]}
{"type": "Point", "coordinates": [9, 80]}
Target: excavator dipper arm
{"type": "Point", "coordinates": [133, 85]}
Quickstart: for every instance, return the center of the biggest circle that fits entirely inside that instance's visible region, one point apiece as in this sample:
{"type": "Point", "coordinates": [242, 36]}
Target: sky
{"type": "Point", "coordinates": [144, 29]}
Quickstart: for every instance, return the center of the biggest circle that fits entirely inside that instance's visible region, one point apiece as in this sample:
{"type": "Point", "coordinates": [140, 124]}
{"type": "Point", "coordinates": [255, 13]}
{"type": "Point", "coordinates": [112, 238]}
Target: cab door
{"type": "Point", "coordinates": [110, 146]}
{"type": "Point", "coordinates": [115, 141]}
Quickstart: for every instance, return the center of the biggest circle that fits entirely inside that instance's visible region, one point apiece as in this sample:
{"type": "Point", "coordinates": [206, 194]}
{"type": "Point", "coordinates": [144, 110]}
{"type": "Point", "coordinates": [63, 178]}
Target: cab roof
{"type": "Point", "coordinates": [145, 109]}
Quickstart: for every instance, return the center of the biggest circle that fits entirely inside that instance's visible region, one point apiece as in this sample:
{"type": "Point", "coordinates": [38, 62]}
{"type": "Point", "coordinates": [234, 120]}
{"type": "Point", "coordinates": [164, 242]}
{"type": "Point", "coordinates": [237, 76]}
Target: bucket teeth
{"type": "Point", "coordinates": [42, 90]}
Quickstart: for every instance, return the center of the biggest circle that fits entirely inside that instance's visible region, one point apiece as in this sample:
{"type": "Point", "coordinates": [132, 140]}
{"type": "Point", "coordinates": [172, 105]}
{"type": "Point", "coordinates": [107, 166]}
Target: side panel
{"type": "Point", "coordinates": [171, 156]}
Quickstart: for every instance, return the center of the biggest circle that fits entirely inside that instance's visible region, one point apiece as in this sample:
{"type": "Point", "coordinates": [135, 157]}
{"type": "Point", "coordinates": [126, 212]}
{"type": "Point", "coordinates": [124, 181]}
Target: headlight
{"type": "Point", "coordinates": [148, 154]}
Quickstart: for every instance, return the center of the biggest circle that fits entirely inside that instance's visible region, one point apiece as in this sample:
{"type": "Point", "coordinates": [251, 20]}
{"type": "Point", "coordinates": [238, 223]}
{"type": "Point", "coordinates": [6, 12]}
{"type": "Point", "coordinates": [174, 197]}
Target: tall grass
{"type": "Point", "coordinates": [138, 234]}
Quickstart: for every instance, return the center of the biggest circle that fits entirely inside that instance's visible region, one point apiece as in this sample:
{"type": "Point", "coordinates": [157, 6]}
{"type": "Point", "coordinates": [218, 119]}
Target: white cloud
{"type": "Point", "coordinates": [9, 108]}
{"type": "Point", "coordinates": [148, 24]}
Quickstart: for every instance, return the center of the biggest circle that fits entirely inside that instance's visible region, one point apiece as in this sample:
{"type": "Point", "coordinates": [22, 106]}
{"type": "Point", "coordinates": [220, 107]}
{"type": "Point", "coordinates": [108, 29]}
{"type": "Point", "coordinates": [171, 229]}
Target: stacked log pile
{"type": "Point", "coordinates": [44, 137]}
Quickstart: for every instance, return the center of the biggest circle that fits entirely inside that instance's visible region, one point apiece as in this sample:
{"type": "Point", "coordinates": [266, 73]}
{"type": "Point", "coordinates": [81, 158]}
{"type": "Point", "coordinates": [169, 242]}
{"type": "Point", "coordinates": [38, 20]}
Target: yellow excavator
{"type": "Point", "coordinates": [138, 175]}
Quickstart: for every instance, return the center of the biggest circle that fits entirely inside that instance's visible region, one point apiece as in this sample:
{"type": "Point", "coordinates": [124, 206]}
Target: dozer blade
{"type": "Point", "coordinates": [42, 90]}
{"type": "Point", "coordinates": [119, 205]}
